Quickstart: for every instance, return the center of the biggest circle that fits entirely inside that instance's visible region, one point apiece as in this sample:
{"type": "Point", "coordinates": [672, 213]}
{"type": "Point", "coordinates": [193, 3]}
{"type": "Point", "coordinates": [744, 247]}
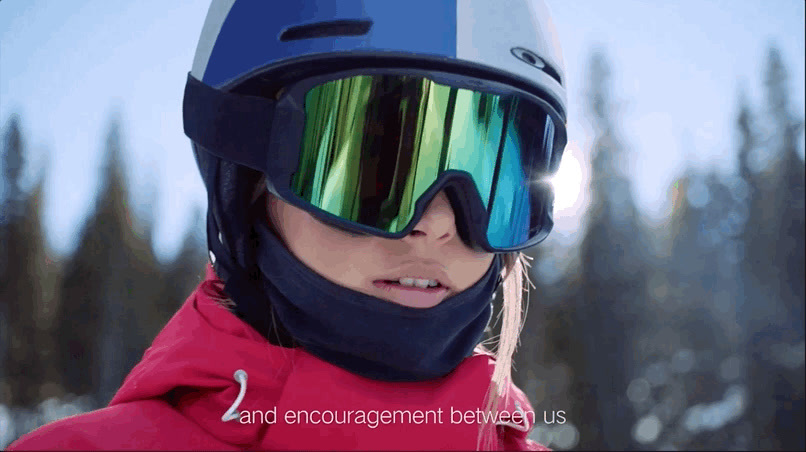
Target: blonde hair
{"type": "Point", "coordinates": [511, 315]}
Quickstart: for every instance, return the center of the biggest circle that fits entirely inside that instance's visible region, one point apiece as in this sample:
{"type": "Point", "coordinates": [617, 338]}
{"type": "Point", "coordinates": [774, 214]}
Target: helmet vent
{"type": "Point", "coordinates": [530, 58]}
{"type": "Point", "coordinates": [326, 30]}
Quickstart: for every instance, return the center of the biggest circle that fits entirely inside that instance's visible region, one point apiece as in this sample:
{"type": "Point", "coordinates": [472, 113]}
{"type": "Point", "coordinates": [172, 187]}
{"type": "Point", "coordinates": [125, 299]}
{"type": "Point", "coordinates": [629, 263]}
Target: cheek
{"type": "Point", "coordinates": [471, 267]}
{"type": "Point", "coordinates": [332, 254]}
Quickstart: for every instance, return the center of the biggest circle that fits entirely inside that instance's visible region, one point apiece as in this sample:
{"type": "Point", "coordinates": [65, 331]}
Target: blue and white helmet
{"type": "Point", "coordinates": [514, 39]}
{"type": "Point", "coordinates": [507, 41]}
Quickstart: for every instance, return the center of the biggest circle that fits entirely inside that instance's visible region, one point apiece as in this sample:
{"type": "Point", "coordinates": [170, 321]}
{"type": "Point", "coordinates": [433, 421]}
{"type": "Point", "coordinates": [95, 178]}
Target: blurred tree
{"type": "Point", "coordinates": [773, 267]}
{"type": "Point", "coordinates": [528, 354]}
{"type": "Point", "coordinates": [541, 361]}
{"type": "Point", "coordinates": [707, 221]}
{"type": "Point", "coordinates": [48, 275]}
{"type": "Point", "coordinates": [79, 326]}
{"type": "Point", "coordinates": [184, 273]}
{"type": "Point", "coordinates": [691, 329]}
{"type": "Point", "coordinates": [21, 268]}
{"type": "Point", "coordinates": [611, 282]}
{"type": "Point", "coordinates": [109, 289]}
{"type": "Point", "coordinates": [13, 163]}
{"type": "Point", "coordinates": [788, 193]}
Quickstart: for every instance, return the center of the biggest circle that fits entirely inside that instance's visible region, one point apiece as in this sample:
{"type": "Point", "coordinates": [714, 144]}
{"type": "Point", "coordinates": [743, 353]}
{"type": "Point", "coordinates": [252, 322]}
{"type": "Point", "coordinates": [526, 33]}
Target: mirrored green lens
{"type": "Point", "coordinates": [373, 144]}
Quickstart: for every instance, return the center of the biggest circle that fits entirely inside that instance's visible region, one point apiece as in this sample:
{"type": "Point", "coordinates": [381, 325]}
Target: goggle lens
{"type": "Point", "coordinates": [373, 144]}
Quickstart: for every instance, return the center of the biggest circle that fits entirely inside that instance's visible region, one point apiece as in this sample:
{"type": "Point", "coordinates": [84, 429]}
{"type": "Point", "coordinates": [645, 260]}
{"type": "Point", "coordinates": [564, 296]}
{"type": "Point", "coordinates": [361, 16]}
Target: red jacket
{"type": "Point", "coordinates": [176, 396]}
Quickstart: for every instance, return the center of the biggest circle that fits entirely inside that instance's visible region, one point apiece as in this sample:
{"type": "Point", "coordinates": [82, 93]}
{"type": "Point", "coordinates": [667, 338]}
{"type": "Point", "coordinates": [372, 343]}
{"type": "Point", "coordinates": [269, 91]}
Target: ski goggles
{"type": "Point", "coordinates": [367, 150]}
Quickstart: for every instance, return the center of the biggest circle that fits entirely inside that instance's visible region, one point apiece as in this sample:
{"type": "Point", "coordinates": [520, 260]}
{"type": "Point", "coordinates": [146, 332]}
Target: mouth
{"type": "Point", "coordinates": [413, 292]}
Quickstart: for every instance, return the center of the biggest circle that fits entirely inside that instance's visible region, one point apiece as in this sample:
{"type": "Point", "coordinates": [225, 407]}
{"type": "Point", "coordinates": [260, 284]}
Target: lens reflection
{"type": "Point", "coordinates": [372, 145]}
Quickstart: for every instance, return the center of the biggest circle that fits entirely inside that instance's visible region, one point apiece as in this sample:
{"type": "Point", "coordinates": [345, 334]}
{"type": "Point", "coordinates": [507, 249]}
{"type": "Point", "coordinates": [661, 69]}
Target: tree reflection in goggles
{"type": "Point", "coordinates": [372, 145]}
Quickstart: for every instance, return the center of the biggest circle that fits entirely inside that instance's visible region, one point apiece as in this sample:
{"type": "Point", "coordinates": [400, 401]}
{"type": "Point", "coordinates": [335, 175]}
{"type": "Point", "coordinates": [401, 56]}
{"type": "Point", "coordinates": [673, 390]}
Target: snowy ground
{"type": "Point", "coordinates": [16, 421]}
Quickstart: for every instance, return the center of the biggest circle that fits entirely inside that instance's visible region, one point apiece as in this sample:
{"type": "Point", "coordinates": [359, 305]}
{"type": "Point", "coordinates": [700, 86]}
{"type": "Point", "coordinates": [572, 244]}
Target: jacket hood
{"type": "Point", "coordinates": [192, 361]}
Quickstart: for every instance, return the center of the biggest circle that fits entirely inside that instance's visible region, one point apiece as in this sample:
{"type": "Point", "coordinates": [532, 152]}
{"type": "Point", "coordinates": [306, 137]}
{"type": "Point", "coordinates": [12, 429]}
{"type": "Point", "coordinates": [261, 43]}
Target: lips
{"type": "Point", "coordinates": [412, 296]}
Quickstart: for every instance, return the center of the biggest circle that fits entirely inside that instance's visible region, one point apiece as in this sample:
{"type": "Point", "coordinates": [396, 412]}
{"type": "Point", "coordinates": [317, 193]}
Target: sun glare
{"type": "Point", "coordinates": [568, 184]}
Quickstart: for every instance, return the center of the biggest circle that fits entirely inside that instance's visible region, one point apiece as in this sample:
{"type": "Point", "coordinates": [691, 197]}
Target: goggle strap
{"type": "Point", "coordinates": [230, 126]}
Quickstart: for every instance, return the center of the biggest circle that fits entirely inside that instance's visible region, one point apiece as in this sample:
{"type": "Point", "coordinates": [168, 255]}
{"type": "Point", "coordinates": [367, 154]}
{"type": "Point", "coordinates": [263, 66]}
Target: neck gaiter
{"type": "Point", "coordinates": [369, 336]}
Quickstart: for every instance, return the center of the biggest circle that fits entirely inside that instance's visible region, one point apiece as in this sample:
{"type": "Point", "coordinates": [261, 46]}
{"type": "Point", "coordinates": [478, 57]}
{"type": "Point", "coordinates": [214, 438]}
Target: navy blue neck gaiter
{"type": "Point", "coordinates": [369, 336]}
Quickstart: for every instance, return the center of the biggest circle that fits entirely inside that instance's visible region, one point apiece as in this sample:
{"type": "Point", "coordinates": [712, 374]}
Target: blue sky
{"type": "Point", "coordinates": [65, 66]}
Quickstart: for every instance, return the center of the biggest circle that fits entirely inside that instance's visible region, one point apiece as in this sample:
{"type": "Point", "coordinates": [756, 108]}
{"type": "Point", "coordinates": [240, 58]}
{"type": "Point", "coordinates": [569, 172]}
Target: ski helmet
{"type": "Point", "coordinates": [262, 51]}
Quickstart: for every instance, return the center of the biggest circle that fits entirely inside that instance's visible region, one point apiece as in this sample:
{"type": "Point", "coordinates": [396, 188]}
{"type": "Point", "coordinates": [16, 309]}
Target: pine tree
{"type": "Point", "coordinates": [47, 274]}
{"type": "Point", "coordinates": [788, 192]}
{"type": "Point", "coordinates": [184, 273]}
{"type": "Point", "coordinates": [773, 269]}
{"type": "Point", "coordinates": [109, 289]}
{"type": "Point", "coordinates": [611, 282]}
{"type": "Point", "coordinates": [22, 260]}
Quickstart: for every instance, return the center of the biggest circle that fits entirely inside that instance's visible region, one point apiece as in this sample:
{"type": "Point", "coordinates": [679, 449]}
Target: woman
{"type": "Point", "coordinates": [373, 169]}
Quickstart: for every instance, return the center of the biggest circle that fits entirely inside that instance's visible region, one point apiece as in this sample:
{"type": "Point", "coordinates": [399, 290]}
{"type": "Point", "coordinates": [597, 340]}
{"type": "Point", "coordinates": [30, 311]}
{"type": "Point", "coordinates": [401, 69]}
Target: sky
{"type": "Point", "coordinates": [677, 67]}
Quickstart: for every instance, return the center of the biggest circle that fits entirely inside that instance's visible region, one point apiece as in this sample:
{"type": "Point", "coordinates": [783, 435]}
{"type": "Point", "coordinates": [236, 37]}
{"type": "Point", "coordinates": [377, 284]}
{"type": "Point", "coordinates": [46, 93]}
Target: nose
{"type": "Point", "coordinates": [437, 225]}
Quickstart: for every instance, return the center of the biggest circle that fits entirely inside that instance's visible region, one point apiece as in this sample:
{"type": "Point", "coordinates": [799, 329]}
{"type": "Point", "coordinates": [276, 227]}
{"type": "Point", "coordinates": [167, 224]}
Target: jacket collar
{"type": "Point", "coordinates": [192, 363]}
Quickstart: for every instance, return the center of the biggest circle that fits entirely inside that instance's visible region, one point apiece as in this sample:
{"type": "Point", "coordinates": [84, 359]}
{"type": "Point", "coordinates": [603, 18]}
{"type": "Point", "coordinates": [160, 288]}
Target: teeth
{"type": "Point", "coordinates": [421, 283]}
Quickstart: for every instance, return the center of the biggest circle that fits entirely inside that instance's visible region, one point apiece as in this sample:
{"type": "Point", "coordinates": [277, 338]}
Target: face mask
{"type": "Point", "coordinates": [368, 336]}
